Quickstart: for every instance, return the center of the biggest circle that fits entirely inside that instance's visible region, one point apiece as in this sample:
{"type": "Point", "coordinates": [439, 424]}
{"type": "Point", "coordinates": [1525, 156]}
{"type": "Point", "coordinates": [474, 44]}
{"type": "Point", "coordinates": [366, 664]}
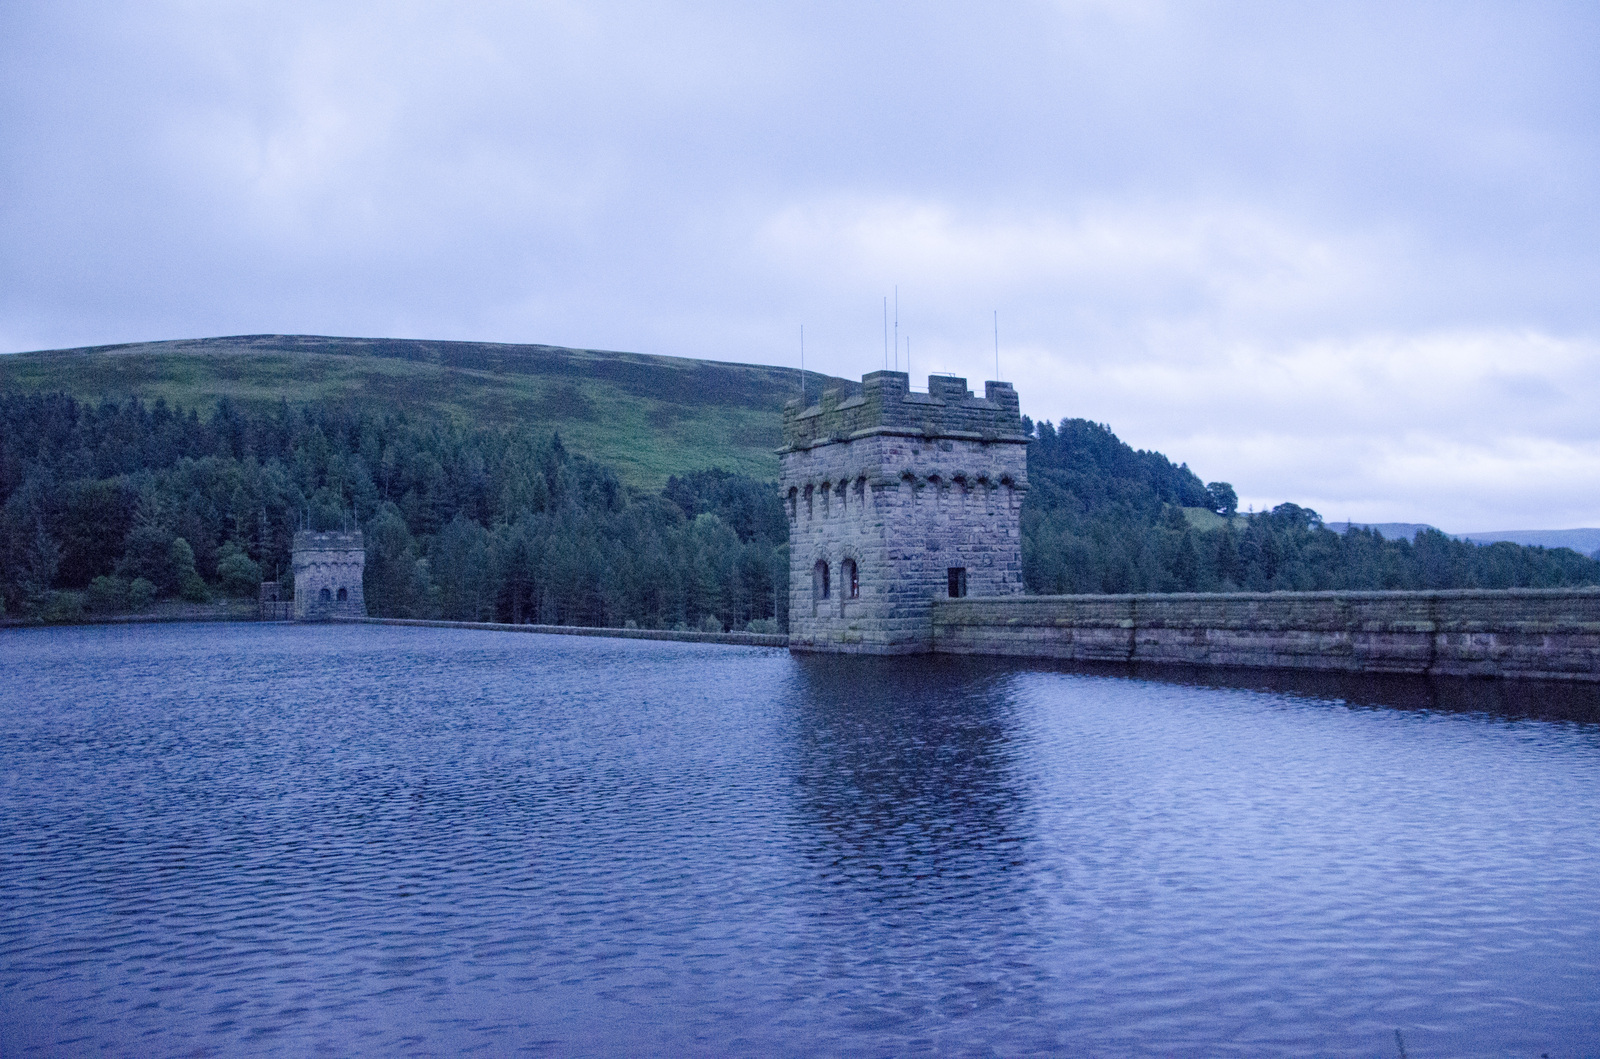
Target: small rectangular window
{"type": "Point", "coordinates": [958, 581]}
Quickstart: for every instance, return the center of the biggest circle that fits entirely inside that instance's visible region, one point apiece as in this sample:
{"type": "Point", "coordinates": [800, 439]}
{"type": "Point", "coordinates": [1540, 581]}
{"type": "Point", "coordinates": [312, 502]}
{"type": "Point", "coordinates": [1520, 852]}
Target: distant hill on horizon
{"type": "Point", "coordinates": [648, 416]}
{"type": "Point", "coordinates": [1582, 541]}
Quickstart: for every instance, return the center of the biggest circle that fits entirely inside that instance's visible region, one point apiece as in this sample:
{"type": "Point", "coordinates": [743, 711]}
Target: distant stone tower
{"type": "Point", "coordinates": [894, 498]}
{"type": "Point", "coordinates": [327, 575]}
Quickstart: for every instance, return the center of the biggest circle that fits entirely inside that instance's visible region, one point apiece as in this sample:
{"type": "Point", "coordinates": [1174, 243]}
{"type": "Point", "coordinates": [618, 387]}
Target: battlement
{"type": "Point", "coordinates": [886, 405]}
{"type": "Point", "coordinates": [332, 541]}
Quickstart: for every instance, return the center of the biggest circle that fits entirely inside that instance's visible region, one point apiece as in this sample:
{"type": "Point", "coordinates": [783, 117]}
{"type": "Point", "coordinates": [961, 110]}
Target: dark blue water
{"type": "Point", "coordinates": [281, 840]}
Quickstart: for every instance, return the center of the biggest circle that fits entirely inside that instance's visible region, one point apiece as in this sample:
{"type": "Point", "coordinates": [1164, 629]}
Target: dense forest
{"type": "Point", "coordinates": [111, 507]}
{"type": "Point", "coordinates": [108, 507]}
{"type": "Point", "coordinates": [1101, 517]}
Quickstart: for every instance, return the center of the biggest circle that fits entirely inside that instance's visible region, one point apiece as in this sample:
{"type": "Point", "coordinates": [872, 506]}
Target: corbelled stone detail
{"type": "Point", "coordinates": [895, 498]}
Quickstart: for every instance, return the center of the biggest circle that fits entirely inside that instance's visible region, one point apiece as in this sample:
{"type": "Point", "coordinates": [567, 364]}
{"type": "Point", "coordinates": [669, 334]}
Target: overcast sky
{"type": "Point", "coordinates": [1343, 254]}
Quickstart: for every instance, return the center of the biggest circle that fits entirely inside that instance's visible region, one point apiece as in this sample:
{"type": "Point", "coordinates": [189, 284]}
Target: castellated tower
{"type": "Point", "coordinates": [895, 498]}
{"type": "Point", "coordinates": [327, 575]}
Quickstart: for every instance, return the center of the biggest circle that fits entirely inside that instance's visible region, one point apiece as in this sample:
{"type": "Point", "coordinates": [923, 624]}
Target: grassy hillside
{"type": "Point", "coordinates": [1202, 520]}
{"type": "Point", "coordinates": [647, 416]}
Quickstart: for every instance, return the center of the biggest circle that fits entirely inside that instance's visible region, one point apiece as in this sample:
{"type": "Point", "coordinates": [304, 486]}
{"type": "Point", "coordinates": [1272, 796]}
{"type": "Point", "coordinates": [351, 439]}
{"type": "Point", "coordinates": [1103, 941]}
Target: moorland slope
{"type": "Point", "coordinates": [647, 416]}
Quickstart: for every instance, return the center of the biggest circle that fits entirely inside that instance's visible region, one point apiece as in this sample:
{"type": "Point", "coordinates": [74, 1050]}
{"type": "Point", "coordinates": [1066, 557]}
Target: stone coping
{"type": "Point", "coordinates": [162, 613]}
{"type": "Point", "coordinates": [742, 639]}
{"type": "Point", "coordinates": [1584, 591]}
{"type": "Point", "coordinates": [249, 615]}
{"type": "Point", "coordinates": [1442, 611]}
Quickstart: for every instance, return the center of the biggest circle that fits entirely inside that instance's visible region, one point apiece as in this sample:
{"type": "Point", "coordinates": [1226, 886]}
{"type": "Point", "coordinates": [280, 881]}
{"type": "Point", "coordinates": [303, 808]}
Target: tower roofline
{"type": "Point", "coordinates": [886, 405]}
{"type": "Point", "coordinates": [328, 540]}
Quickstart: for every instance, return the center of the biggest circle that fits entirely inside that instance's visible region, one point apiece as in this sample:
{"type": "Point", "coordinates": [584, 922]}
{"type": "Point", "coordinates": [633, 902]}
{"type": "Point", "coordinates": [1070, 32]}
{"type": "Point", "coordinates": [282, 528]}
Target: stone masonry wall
{"type": "Point", "coordinates": [1529, 633]}
{"type": "Point", "coordinates": [904, 502]}
{"type": "Point", "coordinates": [330, 563]}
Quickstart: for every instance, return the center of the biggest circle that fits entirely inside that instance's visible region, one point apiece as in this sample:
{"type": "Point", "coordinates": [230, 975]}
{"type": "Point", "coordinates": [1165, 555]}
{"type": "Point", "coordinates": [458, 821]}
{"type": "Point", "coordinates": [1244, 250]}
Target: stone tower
{"type": "Point", "coordinates": [894, 498]}
{"type": "Point", "coordinates": [327, 575]}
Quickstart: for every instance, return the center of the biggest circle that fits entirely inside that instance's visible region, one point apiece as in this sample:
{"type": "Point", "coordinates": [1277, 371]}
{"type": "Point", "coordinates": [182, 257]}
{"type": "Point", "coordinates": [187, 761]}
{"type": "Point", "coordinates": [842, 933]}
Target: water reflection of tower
{"type": "Point", "coordinates": [908, 786]}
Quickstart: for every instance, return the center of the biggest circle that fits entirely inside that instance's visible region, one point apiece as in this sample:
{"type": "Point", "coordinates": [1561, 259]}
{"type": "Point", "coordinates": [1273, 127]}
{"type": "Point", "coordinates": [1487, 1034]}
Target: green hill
{"type": "Point", "coordinates": [647, 416]}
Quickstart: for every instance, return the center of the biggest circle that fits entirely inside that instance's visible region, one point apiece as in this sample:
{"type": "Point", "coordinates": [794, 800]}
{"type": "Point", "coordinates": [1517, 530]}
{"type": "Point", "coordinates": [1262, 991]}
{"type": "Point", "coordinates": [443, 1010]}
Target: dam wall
{"type": "Point", "coordinates": [1544, 634]}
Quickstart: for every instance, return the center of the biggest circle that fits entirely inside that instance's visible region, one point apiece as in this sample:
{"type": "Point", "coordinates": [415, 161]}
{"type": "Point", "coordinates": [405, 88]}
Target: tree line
{"type": "Point", "coordinates": [112, 506]}
{"type": "Point", "coordinates": [1102, 517]}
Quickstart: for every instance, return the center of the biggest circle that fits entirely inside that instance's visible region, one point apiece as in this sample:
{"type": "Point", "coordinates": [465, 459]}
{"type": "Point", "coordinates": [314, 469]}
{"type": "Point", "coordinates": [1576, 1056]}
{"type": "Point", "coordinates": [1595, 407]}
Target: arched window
{"type": "Point", "coordinates": [325, 595]}
{"type": "Point", "coordinates": [849, 579]}
{"type": "Point", "coordinates": [344, 594]}
{"type": "Point", "coordinates": [820, 588]}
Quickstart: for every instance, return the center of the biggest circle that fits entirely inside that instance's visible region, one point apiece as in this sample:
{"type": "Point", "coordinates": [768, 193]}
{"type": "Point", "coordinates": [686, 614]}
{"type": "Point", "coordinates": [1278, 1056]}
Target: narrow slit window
{"type": "Point", "coordinates": [851, 578]}
{"type": "Point", "coordinates": [819, 581]}
{"type": "Point", "coordinates": [957, 576]}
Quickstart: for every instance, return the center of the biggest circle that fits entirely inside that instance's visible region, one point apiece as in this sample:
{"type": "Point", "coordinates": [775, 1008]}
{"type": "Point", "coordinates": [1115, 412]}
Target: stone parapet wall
{"type": "Point", "coordinates": [1551, 634]}
{"type": "Point", "coordinates": [740, 639]}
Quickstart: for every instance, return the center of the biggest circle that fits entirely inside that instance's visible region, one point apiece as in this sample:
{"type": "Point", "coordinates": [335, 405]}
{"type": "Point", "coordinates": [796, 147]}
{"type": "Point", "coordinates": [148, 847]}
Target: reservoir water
{"type": "Point", "coordinates": [240, 840]}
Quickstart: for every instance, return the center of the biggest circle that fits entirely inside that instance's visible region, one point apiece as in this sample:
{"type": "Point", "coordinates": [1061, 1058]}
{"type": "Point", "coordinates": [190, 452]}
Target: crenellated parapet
{"type": "Point", "coordinates": [338, 542]}
{"type": "Point", "coordinates": [886, 405]}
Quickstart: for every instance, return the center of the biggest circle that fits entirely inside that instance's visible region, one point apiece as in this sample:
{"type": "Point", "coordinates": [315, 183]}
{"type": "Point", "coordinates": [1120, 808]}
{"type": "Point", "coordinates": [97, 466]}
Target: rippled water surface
{"type": "Point", "coordinates": [278, 839]}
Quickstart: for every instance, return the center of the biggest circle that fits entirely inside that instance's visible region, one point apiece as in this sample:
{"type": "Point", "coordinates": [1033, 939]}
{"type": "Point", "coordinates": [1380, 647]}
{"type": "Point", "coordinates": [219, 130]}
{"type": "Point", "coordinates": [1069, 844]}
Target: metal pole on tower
{"type": "Point", "coordinates": [897, 327]}
{"type": "Point", "coordinates": [997, 345]}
